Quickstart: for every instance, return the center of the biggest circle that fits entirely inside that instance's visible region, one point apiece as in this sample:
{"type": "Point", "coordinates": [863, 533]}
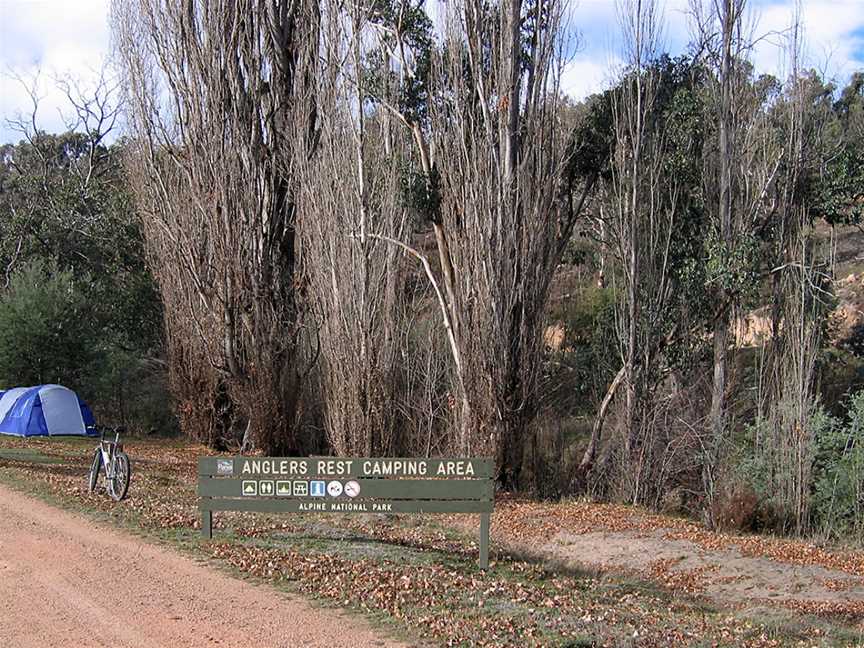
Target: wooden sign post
{"type": "Point", "coordinates": [336, 485]}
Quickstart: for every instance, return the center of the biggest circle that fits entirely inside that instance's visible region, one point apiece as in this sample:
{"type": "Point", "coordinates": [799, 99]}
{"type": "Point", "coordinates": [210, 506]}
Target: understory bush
{"type": "Point", "coordinates": [773, 470]}
{"type": "Point", "coordinates": [754, 497]}
{"type": "Point", "coordinates": [48, 330]}
{"type": "Point", "coordinates": [838, 497]}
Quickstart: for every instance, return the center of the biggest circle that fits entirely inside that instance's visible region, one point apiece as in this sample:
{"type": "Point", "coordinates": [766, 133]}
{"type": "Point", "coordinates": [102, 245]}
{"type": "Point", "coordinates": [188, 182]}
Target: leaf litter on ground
{"type": "Point", "coordinates": [431, 588]}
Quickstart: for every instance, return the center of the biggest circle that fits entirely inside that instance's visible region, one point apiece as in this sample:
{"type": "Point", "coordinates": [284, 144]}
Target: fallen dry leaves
{"type": "Point", "coordinates": [528, 522]}
{"type": "Point", "coordinates": [692, 581]}
{"type": "Point", "coordinates": [444, 599]}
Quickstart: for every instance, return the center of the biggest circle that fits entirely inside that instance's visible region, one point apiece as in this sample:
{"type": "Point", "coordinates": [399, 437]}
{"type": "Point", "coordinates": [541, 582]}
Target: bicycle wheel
{"type": "Point", "coordinates": [93, 478]}
{"type": "Point", "coordinates": [119, 483]}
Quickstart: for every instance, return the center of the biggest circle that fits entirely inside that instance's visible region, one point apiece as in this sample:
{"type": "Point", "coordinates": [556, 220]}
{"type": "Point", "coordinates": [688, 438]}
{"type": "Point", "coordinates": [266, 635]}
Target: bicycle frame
{"type": "Point", "coordinates": [108, 449]}
{"type": "Point", "coordinates": [110, 459]}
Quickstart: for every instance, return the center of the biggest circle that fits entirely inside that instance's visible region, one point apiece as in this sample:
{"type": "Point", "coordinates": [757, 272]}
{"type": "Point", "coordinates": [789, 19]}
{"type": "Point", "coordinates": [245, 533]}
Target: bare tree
{"type": "Point", "coordinates": [211, 89]}
{"type": "Point", "coordinates": [788, 401]}
{"type": "Point", "coordinates": [350, 210]}
{"type": "Point", "coordinates": [508, 207]}
{"type": "Point", "coordinates": [649, 210]}
{"type": "Point", "coordinates": [741, 169]}
{"type": "Point", "coordinates": [497, 189]}
{"type": "Point", "coordinates": [640, 223]}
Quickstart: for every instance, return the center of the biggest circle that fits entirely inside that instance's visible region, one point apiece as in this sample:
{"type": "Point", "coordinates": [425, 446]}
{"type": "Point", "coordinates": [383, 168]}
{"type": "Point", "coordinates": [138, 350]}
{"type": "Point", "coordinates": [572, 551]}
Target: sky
{"type": "Point", "coordinates": [70, 38]}
{"type": "Point", "coordinates": [833, 35]}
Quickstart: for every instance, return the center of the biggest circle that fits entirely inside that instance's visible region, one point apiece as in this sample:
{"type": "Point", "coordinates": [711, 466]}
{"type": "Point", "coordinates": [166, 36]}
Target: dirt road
{"type": "Point", "coordinates": [65, 582]}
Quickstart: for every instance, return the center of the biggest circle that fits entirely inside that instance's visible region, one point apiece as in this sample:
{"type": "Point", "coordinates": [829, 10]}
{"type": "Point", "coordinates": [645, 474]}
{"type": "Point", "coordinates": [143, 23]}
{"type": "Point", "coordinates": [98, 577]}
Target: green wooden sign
{"type": "Point", "coordinates": [350, 485]}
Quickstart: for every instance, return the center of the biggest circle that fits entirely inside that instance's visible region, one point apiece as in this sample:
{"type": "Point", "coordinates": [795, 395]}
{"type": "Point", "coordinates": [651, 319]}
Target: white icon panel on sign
{"type": "Point", "coordinates": [301, 488]}
{"type": "Point", "coordinates": [334, 489]}
{"type": "Point", "coordinates": [317, 488]}
{"type": "Point", "coordinates": [283, 488]}
{"type": "Point", "coordinates": [250, 487]}
{"type": "Point", "coordinates": [265, 487]}
{"type": "Point", "coordinates": [352, 489]}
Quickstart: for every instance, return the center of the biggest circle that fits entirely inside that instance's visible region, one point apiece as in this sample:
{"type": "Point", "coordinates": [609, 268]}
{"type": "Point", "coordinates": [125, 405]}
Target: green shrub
{"type": "Point", "coordinates": [838, 498]}
{"type": "Point", "coordinates": [835, 487]}
{"type": "Point", "coordinates": [47, 332]}
{"type": "Point", "coordinates": [774, 469]}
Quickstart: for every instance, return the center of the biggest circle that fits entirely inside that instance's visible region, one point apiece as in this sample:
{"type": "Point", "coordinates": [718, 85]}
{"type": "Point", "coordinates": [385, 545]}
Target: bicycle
{"type": "Point", "coordinates": [110, 456]}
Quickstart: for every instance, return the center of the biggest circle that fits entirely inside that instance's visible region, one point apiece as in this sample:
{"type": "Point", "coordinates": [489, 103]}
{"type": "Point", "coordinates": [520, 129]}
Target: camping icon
{"type": "Point", "coordinates": [250, 487]}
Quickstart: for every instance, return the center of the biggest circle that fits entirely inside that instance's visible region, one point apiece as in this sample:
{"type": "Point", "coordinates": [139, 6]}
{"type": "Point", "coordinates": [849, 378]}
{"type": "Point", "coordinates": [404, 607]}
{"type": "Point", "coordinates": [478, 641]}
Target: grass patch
{"type": "Point", "coordinates": [27, 455]}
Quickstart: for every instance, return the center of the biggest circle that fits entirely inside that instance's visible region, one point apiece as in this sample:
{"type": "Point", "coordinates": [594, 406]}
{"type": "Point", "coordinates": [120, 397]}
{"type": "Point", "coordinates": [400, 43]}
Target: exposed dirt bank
{"type": "Point", "coordinates": [729, 569]}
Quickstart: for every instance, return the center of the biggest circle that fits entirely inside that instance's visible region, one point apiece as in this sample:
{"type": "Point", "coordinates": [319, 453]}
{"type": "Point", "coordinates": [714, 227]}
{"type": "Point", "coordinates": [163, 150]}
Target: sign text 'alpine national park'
{"type": "Point", "coordinates": [347, 485]}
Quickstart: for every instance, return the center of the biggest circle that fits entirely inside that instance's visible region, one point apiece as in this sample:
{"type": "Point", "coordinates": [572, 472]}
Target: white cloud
{"type": "Point", "coordinates": [71, 37]}
{"type": "Point", "coordinates": [57, 37]}
{"type": "Point", "coordinates": [833, 38]}
{"type": "Point", "coordinates": [833, 31]}
{"type": "Point", "coordinates": [584, 76]}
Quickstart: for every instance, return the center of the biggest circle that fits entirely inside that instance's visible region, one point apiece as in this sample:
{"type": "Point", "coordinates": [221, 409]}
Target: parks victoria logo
{"type": "Point", "coordinates": [224, 466]}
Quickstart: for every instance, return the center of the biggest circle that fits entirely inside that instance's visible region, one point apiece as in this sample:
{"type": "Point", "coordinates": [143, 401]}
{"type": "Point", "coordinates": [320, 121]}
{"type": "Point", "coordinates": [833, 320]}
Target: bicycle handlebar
{"type": "Point", "coordinates": [107, 429]}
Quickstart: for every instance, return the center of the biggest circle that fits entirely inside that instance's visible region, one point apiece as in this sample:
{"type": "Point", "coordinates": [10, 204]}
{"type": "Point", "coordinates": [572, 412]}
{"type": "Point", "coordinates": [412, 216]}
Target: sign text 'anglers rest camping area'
{"type": "Point", "coordinates": [336, 485]}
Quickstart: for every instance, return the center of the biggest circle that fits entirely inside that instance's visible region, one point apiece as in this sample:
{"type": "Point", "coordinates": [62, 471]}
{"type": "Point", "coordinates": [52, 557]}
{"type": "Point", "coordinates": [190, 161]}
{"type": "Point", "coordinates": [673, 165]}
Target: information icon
{"type": "Point", "coordinates": [352, 489]}
{"type": "Point", "coordinates": [334, 489]}
{"type": "Point", "coordinates": [317, 488]}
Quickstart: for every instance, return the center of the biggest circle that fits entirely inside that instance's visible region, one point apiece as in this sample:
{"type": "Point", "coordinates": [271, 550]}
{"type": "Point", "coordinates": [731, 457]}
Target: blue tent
{"type": "Point", "coordinates": [44, 410]}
